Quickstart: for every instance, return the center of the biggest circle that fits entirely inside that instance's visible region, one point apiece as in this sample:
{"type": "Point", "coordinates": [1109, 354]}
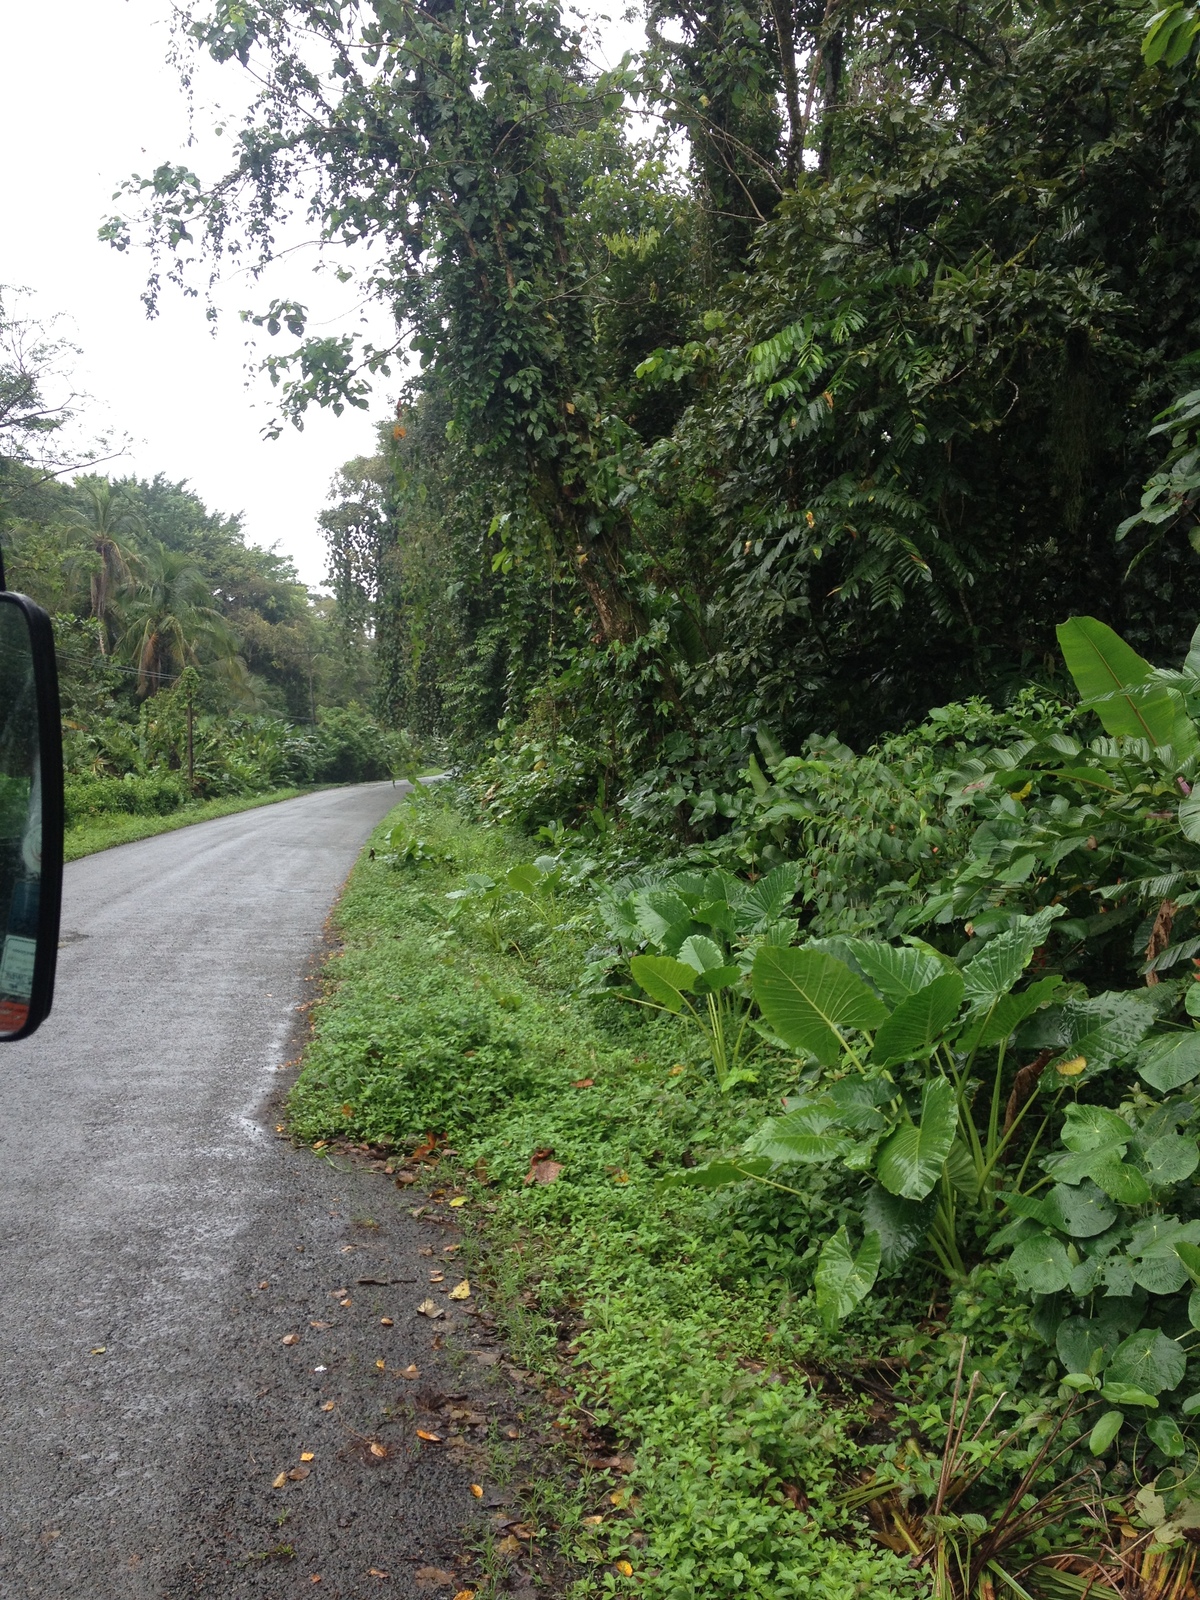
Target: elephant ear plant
{"type": "Point", "coordinates": [910, 1086]}
{"type": "Point", "coordinates": [696, 935]}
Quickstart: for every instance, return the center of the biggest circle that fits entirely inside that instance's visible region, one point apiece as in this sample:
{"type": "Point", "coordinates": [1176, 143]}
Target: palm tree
{"type": "Point", "coordinates": [170, 620]}
{"type": "Point", "coordinates": [106, 520]}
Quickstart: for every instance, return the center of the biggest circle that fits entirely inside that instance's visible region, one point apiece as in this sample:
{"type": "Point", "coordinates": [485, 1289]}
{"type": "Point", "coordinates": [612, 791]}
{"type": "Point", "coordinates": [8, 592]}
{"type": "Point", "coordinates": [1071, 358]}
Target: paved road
{"type": "Point", "coordinates": [158, 1240]}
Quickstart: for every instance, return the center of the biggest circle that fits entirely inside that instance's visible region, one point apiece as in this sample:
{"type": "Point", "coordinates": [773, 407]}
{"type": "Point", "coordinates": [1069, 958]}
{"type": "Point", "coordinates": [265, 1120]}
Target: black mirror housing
{"type": "Point", "coordinates": [31, 816]}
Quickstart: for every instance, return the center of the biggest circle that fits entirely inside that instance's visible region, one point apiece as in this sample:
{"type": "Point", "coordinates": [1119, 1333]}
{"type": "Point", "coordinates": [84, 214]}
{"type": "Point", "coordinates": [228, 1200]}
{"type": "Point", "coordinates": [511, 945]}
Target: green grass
{"type": "Point", "coordinates": [684, 1321]}
{"type": "Point", "coordinates": [101, 833]}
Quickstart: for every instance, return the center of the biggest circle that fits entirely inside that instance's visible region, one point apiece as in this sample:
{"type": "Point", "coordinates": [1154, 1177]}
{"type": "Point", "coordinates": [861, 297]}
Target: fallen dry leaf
{"type": "Point", "coordinates": [328, 1406]}
{"type": "Point", "coordinates": [612, 1463]}
{"type": "Point", "coordinates": [436, 1575]}
{"type": "Point", "coordinates": [100, 1349]}
{"type": "Point", "coordinates": [592, 1522]}
{"type": "Point", "coordinates": [624, 1568]}
{"type": "Point", "coordinates": [583, 1083]}
{"type": "Point", "coordinates": [410, 1371]}
{"type": "Point", "coordinates": [459, 1200]}
{"type": "Point", "coordinates": [436, 1277]}
{"type": "Point", "coordinates": [280, 1481]}
{"type": "Point", "coordinates": [291, 1338]}
{"type": "Point", "coordinates": [524, 1531]}
{"type": "Point", "coordinates": [320, 1144]}
{"type": "Point", "coordinates": [378, 1450]}
{"type": "Point", "coordinates": [308, 1455]}
{"type": "Point", "coordinates": [675, 1071]}
{"type": "Point", "coordinates": [465, 1594]}
{"type": "Point", "coordinates": [477, 1490]}
{"type": "Point", "coordinates": [508, 1546]}
{"type": "Point", "coordinates": [265, 1284]}
{"type": "Point", "coordinates": [382, 1365]}
{"type": "Point", "coordinates": [461, 1291]}
{"type": "Point", "coordinates": [544, 1172]}
{"type": "Point", "coordinates": [430, 1308]}
{"type": "Point", "coordinates": [374, 1572]}
{"type": "Point", "coordinates": [298, 1474]}
{"type": "Point", "coordinates": [386, 1322]}
{"type": "Point", "coordinates": [345, 1304]}
{"type": "Point", "coordinates": [316, 1578]}
{"type": "Point", "coordinates": [432, 1438]}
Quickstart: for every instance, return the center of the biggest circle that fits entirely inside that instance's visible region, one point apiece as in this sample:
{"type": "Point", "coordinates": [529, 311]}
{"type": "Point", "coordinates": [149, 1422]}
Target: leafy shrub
{"type": "Point", "coordinates": [144, 797]}
{"type": "Point", "coordinates": [349, 747]}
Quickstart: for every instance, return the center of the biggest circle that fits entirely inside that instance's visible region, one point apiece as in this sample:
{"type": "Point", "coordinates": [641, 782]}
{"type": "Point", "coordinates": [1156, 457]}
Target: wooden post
{"type": "Point", "coordinates": [191, 752]}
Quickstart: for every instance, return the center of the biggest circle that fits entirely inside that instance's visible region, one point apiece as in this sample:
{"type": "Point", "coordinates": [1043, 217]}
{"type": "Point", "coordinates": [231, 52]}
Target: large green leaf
{"type": "Point", "coordinates": [1116, 683]}
{"type": "Point", "coordinates": [897, 970]}
{"type": "Point", "coordinates": [769, 898]}
{"type": "Point", "coordinates": [1104, 1030]}
{"type": "Point", "coordinates": [911, 1159]}
{"type": "Point", "coordinates": [1149, 1361]}
{"type": "Point", "coordinates": [1081, 1212]}
{"type": "Point", "coordinates": [1082, 1343]}
{"type": "Point", "coordinates": [701, 953]}
{"type": "Point", "coordinates": [918, 1022]}
{"type": "Point", "coordinates": [992, 973]}
{"type": "Point", "coordinates": [664, 979]}
{"type": "Point", "coordinates": [843, 1278]}
{"type": "Point", "coordinates": [807, 1134]}
{"type": "Point", "coordinates": [901, 1225]}
{"type": "Point", "coordinates": [1169, 1060]}
{"type": "Point", "coordinates": [1170, 1160]}
{"type": "Point", "coordinates": [716, 1174]}
{"type": "Point", "coordinates": [810, 1000]}
{"type": "Point", "coordinates": [658, 911]}
{"type": "Point", "coordinates": [1041, 1264]}
{"type": "Point", "coordinates": [1006, 1015]}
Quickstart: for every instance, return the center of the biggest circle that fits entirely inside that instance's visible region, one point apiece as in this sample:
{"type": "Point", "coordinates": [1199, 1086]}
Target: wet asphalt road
{"type": "Point", "coordinates": [158, 1240]}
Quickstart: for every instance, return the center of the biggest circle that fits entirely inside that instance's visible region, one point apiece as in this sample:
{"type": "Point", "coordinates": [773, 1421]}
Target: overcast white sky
{"type": "Point", "coordinates": [87, 98]}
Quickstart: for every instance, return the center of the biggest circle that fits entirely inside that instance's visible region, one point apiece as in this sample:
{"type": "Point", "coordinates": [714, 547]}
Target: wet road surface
{"type": "Point", "coordinates": [159, 1243]}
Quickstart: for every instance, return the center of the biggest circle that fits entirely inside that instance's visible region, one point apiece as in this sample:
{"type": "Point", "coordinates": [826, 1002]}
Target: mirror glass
{"type": "Point", "coordinates": [20, 819]}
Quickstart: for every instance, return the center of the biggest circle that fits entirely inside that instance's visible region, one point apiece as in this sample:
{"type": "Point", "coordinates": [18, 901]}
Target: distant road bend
{"type": "Point", "coordinates": [158, 1241]}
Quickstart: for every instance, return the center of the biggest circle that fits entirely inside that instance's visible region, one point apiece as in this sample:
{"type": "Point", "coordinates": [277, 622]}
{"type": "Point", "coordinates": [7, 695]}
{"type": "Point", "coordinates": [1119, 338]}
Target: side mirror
{"type": "Point", "coordinates": [31, 815]}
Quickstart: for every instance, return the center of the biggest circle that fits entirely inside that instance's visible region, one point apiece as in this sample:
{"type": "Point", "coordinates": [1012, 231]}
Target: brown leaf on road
{"type": "Point", "coordinates": [379, 1451]}
{"type": "Point", "coordinates": [375, 1572]}
{"type": "Point", "coordinates": [291, 1338]}
{"type": "Point", "coordinates": [477, 1490]}
{"type": "Point", "coordinates": [280, 1481]}
{"type": "Point", "coordinates": [386, 1322]}
{"type": "Point", "coordinates": [410, 1371]}
{"type": "Point", "coordinates": [298, 1474]}
{"type": "Point", "coordinates": [318, 1325]}
{"type": "Point", "coordinates": [308, 1455]}
{"type": "Point", "coordinates": [430, 1308]}
{"type": "Point", "coordinates": [465, 1594]}
{"type": "Point", "coordinates": [328, 1405]}
{"type": "Point", "coordinates": [510, 1545]}
{"type": "Point", "coordinates": [461, 1291]}
{"type": "Point", "coordinates": [431, 1438]}
{"type": "Point", "coordinates": [434, 1577]}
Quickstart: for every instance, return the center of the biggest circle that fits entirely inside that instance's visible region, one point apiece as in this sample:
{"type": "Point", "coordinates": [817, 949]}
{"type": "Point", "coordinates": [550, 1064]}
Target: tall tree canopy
{"type": "Point", "coordinates": [832, 424]}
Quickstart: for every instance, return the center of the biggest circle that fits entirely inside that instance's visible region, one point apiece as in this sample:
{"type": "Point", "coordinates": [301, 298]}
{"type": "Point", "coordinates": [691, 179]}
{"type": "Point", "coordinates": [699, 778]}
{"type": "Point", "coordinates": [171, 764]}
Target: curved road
{"type": "Point", "coordinates": [158, 1240]}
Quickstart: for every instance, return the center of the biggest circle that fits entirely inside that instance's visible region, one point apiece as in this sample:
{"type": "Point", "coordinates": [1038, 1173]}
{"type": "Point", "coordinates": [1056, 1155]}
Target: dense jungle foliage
{"type": "Point", "coordinates": [788, 520]}
{"type": "Point", "coordinates": [160, 605]}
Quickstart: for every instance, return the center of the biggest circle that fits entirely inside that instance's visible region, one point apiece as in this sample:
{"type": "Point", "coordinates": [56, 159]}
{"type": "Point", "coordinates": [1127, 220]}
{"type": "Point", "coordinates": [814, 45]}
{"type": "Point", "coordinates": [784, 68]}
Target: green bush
{"type": "Point", "coordinates": [106, 797]}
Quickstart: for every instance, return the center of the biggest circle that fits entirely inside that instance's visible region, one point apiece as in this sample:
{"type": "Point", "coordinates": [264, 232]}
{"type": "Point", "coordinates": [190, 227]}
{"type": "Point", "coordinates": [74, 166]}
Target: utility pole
{"type": "Point", "coordinates": [190, 748]}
